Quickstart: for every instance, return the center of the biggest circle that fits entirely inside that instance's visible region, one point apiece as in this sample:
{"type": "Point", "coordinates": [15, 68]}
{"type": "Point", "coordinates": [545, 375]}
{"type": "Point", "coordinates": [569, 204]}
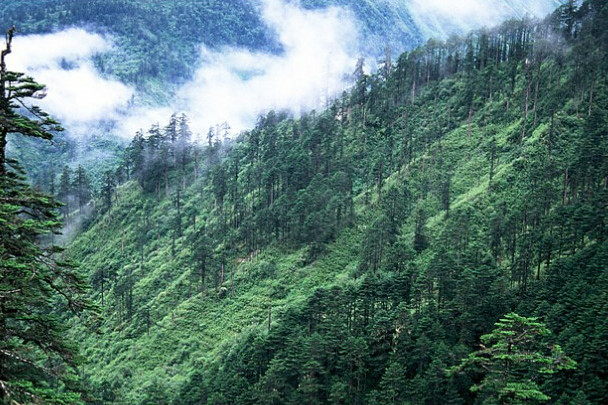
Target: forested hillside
{"type": "Point", "coordinates": [159, 40]}
{"type": "Point", "coordinates": [155, 47]}
{"type": "Point", "coordinates": [415, 243]}
{"type": "Point", "coordinates": [156, 40]}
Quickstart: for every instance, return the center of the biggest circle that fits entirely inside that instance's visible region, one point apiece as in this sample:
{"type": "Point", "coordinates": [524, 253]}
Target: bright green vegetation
{"type": "Point", "coordinates": [358, 254]}
{"type": "Point", "coordinates": [377, 252]}
{"type": "Point", "coordinates": [513, 357]}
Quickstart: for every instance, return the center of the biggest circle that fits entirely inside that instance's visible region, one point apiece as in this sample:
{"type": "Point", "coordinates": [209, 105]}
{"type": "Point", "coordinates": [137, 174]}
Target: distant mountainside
{"type": "Point", "coordinates": [406, 24]}
{"type": "Point", "coordinates": [157, 47]}
{"type": "Point", "coordinates": [153, 38]}
{"type": "Point", "coordinates": [440, 19]}
{"type": "Point", "coordinates": [161, 38]}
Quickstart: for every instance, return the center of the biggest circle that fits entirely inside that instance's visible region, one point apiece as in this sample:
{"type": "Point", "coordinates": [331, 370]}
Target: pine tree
{"type": "Point", "coordinates": [107, 189]}
{"type": "Point", "coordinates": [36, 360]}
{"type": "Point", "coordinates": [14, 88]}
{"type": "Point", "coordinates": [514, 357]}
{"type": "Point", "coordinates": [64, 194]}
{"type": "Point", "coordinates": [82, 187]}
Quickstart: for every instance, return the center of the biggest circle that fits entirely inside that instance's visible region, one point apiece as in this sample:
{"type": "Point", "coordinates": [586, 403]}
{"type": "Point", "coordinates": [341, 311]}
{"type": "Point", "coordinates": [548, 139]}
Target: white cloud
{"type": "Point", "coordinates": [236, 85]}
{"type": "Point", "coordinates": [76, 93]}
{"type": "Point", "coordinates": [142, 118]}
{"type": "Point", "coordinates": [440, 18]}
{"type": "Point", "coordinates": [47, 51]}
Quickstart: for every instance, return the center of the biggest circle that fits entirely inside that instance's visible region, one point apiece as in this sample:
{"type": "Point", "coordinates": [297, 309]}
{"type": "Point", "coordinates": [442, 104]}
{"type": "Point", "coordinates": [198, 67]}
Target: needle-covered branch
{"type": "Point", "coordinates": [37, 284]}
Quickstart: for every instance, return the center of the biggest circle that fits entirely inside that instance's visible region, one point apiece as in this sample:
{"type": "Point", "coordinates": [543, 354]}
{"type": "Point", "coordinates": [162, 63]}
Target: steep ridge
{"type": "Point", "coordinates": [353, 255]}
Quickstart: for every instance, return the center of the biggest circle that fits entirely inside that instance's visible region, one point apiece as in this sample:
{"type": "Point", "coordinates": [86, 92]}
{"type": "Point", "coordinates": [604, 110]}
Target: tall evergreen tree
{"type": "Point", "coordinates": [81, 187]}
{"type": "Point", "coordinates": [36, 360]}
{"type": "Point", "coordinates": [64, 194]}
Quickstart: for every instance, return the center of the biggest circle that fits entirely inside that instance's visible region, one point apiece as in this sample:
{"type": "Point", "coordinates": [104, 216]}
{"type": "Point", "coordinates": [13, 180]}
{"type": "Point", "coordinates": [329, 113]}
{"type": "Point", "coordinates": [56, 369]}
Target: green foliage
{"type": "Point", "coordinates": [514, 357]}
{"type": "Point", "coordinates": [353, 255]}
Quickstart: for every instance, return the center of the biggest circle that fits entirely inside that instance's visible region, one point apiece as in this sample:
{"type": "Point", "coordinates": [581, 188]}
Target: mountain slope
{"type": "Point", "coordinates": [155, 40]}
{"type": "Point", "coordinates": [352, 255]}
{"type": "Point", "coordinates": [155, 48]}
{"type": "Point", "coordinates": [160, 39]}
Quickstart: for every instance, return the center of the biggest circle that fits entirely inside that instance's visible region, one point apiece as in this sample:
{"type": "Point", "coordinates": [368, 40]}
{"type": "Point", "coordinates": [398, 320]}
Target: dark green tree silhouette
{"type": "Point", "coordinates": [37, 362]}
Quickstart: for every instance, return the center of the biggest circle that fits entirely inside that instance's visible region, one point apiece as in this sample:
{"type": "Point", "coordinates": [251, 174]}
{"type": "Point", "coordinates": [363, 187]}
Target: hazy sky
{"type": "Point", "coordinates": [439, 18]}
{"type": "Point", "coordinates": [233, 84]}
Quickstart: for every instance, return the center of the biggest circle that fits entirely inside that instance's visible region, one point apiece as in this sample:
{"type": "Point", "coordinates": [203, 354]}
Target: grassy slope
{"type": "Point", "coordinates": [186, 331]}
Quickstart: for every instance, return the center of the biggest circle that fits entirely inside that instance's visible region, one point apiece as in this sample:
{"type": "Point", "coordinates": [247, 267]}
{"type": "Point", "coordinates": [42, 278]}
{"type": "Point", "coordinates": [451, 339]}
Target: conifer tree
{"type": "Point", "coordinates": [81, 186]}
{"type": "Point", "coordinates": [36, 360]}
{"type": "Point", "coordinates": [64, 194]}
{"type": "Point", "coordinates": [514, 357]}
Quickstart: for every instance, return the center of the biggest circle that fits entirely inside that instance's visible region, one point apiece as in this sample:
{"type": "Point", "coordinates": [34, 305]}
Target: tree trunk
{"type": "Point", "coordinates": [591, 94]}
{"type": "Point", "coordinates": [525, 122]}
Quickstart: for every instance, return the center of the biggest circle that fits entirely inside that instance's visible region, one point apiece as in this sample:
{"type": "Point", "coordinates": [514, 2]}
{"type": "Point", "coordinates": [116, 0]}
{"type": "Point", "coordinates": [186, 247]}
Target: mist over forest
{"type": "Point", "coordinates": [392, 202]}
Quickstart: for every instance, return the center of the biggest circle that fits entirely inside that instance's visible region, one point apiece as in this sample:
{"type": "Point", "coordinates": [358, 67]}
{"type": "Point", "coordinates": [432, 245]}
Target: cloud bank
{"type": "Point", "coordinates": [440, 18]}
{"type": "Point", "coordinates": [76, 93]}
{"type": "Point", "coordinates": [235, 85]}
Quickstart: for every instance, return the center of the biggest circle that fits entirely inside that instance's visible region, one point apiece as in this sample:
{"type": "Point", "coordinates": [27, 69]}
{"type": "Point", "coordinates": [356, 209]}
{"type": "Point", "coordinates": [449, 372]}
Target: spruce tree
{"type": "Point", "coordinates": [37, 362]}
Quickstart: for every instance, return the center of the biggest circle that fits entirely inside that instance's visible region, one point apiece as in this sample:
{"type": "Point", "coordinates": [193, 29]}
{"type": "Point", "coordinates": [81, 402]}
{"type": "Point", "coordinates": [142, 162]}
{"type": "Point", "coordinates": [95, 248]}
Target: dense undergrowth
{"type": "Point", "coordinates": [351, 256]}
